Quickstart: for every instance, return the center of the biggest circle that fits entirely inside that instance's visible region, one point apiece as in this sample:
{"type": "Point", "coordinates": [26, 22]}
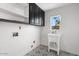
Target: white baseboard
{"type": "Point", "coordinates": [25, 52]}
{"type": "Point", "coordinates": [63, 51]}
{"type": "Point", "coordinates": [43, 44]}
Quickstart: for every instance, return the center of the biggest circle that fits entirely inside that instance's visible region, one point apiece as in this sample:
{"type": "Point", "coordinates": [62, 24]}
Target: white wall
{"type": "Point", "coordinates": [69, 27]}
{"type": "Point", "coordinates": [20, 45]}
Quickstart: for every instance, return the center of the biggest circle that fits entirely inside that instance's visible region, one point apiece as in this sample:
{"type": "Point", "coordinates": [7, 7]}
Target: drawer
{"type": "Point", "coordinates": [53, 38]}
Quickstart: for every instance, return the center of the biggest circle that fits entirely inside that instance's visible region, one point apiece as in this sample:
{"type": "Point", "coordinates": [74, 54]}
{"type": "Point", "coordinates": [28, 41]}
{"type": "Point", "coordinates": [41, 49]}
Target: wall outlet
{"type": "Point", "coordinates": [33, 41]}
{"type": "Point", "coordinates": [19, 27]}
{"type": "Point", "coordinates": [15, 34]}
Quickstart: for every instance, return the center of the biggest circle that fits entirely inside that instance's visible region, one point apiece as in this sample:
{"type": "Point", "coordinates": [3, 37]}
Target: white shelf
{"type": "Point", "coordinates": [54, 42]}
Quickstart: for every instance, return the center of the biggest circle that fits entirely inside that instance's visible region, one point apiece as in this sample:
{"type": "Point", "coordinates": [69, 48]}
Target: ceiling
{"type": "Point", "coordinates": [44, 6]}
{"type": "Point", "coordinates": [20, 5]}
{"type": "Point", "coordinates": [48, 6]}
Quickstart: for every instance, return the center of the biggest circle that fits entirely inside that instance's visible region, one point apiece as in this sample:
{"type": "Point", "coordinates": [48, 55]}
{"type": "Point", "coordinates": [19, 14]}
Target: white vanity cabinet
{"type": "Point", "coordinates": [54, 42]}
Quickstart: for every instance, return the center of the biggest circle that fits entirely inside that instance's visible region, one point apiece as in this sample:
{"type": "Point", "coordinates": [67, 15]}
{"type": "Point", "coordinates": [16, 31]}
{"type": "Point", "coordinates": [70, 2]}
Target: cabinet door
{"type": "Point", "coordinates": [36, 15]}
{"type": "Point", "coordinates": [26, 12]}
{"type": "Point", "coordinates": [42, 18]}
{"type": "Point", "coordinates": [31, 13]}
{"type": "Point", "coordinates": [39, 17]}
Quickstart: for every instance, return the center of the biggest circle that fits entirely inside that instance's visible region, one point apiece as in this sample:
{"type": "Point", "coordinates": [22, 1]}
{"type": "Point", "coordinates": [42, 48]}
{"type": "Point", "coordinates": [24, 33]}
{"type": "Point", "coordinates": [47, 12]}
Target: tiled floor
{"type": "Point", "coordinates": [43, 51]}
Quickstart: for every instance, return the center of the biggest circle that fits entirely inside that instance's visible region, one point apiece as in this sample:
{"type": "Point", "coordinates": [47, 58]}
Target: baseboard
{"type": "Point", "coordinates": [25, 52]}
{"type": "Point", "coordinates": [61, 50]}
{"type": "Point", "coordinates": [43, 44]}
{"type": "Point", "coordinates": [69, 52]}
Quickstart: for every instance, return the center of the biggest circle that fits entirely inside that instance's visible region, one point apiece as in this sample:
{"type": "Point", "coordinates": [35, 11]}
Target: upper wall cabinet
{"type": "Point", "coordinates": [36, 15]}
{"type": "Point", "coordinates": [14, 12]}
{"type": "Point", "coordinates": [27, 13]}
{"type": "Point", "coordinates": [13, 8]}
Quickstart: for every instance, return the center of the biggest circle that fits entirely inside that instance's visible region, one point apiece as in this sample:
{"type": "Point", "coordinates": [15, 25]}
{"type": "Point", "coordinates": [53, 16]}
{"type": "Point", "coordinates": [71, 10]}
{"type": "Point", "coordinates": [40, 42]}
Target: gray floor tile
{"type": "Point", "coordinates": [43, 51]}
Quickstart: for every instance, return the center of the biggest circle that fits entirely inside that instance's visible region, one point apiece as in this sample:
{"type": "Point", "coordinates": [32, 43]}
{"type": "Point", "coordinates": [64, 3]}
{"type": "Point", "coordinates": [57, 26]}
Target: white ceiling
{"type": "Point", "coordinates": [20, 5]}
{"type": "Point", "coordinates": [48, 6]}
{"type": "Point", "coordinates": [44, 6]}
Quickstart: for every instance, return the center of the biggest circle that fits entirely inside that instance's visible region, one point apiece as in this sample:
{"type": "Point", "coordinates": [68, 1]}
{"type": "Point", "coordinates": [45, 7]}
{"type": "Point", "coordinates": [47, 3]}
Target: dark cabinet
{"type": "Point", "coordinates": [31, 13]}
{"type": "Point", "coordinates": [36, 15]}
{"type": "Point", "coordinates": [42, 17]}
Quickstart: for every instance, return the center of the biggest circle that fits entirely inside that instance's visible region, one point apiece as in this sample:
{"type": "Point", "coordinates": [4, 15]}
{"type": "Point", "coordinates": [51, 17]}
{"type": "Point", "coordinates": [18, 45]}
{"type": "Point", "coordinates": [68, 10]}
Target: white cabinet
{"type": "Point", "coordinates": [18, 10]}
{"type": "Point", "coordinates": [26, 12]}
{"type": "Point", "coordinates": [54, 42]}
{"type": "Point", "coordinates": [12, 8]}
